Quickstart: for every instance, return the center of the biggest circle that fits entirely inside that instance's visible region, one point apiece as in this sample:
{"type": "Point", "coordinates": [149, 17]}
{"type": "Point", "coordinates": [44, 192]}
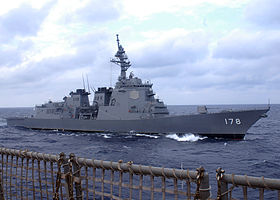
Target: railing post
{"type": "Point", "coordinates": [222, 186]}
{"type": "Point", "coordinates": [204, 190]}
{"type": "Point", "coordinates": [224, 189]}
{"type": "Point", "coordinates": [67, 166]}
{"type": "Point", "coordinates": [202, 181]}
{"type": "Point", "coordinates": [76, 176]}
{"type": "Point", "coordinates": [1, 187]}
{"type": "Point", "coordinates": [58, 175]}
{"type": "Point", "coordinates": [1, 173]}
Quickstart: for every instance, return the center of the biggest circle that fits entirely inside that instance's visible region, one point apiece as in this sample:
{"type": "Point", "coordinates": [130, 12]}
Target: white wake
{"type": "Point", "coordinates": [188, 137]}
{"type": "Point", "coordinates": [147, 135]}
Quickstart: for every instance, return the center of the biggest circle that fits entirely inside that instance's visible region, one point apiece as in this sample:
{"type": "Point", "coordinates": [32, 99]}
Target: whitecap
{"type": "Point", "coordinates": [107, 136]}
{"type": "Point", "coordinates": [146, 135]}
{"type": "Point", "coordinates": [3, 122]}
{"type": "Point", "coordinates": [188, 137]}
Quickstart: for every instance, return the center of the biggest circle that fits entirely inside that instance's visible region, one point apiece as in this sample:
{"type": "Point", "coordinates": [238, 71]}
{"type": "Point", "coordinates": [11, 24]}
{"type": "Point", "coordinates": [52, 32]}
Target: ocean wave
{"type": "Point", "coordinates": [147, 135]}
{"type": "Point", "coordinates": [3, 122]}
{"type": "Point", "coordinates": [107, 136]}
{"type": "Point", "coordinates": [188, 137]}
{"type": "Point", "coordinates": [265, 164]}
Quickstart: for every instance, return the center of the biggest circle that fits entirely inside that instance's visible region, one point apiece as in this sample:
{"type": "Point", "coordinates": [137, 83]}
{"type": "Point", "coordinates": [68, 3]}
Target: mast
{"type": "Point", "coordinates": [121, 60]}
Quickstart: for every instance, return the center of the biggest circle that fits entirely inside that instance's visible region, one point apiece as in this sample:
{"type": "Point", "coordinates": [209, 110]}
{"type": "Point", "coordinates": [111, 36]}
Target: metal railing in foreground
{"type": "Point", "coordinates": [32, 175]}
{"type": "Point", "coordinates": [245, 182]}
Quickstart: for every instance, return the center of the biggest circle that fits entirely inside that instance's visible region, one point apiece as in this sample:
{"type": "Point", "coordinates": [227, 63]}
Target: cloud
{"type": "Point", "coordinates": [86, 57]}
{"type": "Point", "coordinates": [95, 11]}
{"type": "Point", "coordinates": [241, 60]}
{"type": "Point", "coordinates": [12, 55]}
{"type": "Point", "coordinates": [172, 48]}
{"type": "Point", "coordinates": [264, 12]}
{"type": "Point", "coordinates": [22, 21]}
{"type": "Point", "coordinates": [215, 81]}
{"type": "Point", "coordinates": [145, 8]}
{"type": "Point", "coordinates": [45, 51]}
{"type": "Point", "coordinates": [240, 44]}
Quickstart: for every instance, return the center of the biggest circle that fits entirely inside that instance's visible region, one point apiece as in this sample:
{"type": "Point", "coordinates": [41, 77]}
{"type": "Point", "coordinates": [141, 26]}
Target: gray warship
{"type": "Point", "coordinates": [131, 106]}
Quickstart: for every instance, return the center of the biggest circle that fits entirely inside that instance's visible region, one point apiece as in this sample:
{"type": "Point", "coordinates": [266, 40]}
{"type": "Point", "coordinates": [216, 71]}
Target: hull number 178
{"type": "Point", "coordinates": [231, 121]}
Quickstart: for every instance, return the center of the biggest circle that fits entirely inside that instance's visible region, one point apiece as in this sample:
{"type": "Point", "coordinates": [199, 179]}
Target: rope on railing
{"type": "Point", "coordinates": [58, 175]}
{"type": "Point", "coordinates": [76, 176]}
{"type": "Point", "coordinates": [219, 175]}
{"type": "Point", "coordinates": [1, 187]}
{"type": "Point", "coordinates": [245, 181]}
{"type": "Point", "coordinates": [88, 178]}
{"type": "Point", "coordinates": [200, 173]}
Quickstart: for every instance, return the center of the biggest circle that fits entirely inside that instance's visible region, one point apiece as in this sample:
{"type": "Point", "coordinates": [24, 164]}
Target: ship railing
{"type": "Point", "coordinates": [245, 185]}
{"type": "Point", "coordinates": [32, 175]}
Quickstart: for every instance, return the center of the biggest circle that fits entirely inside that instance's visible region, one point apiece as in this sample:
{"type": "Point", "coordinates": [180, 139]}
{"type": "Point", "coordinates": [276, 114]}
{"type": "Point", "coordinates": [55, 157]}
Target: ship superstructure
{"type": "Point", "coordinates": [130, 99]}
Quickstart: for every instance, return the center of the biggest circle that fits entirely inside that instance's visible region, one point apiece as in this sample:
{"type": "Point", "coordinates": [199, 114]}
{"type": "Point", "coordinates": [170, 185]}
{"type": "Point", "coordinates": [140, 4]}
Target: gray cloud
{"type": "Point", "coordinates": [235, 75]}
{"type": "Point", "coordinates": [13, 55]}
{"type": "Point", "coordinates": [22, 21]}
{"type": "Point", "coordinates": [172, 51]}
{"type": "Point", "coordinates": [95, 11]}
{"type": "Point", "coordinates": [241, 61]}
{"type": "Point", "coordinates": [10, 57]}
{"type": "Point", "coordinates": [264, 12]}
{"type": "Point", "coordinates": [171, 72]}
{"type": "Point", "coordinates": [47, 69]}
{"type": "Point", "coordinates": [232, 75]}
{"type": "Point", "coordinates": [248, 45]}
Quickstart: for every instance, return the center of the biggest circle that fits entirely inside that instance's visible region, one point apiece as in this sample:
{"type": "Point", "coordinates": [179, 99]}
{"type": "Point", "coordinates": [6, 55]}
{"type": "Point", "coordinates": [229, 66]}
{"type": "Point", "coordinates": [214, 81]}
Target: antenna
{"type": "Point", "coordinates": [118, 40]}
{"type": "Point", "coordinates": [83, 82]}
{"type": "Point", "coordinates": [121, 60]}
{"type": "Point", "coordinates": [111, 75]}
{"type": "Point", "coordinates": [92, 88]}
{"type": "Point", "coordinates": [88, 84]}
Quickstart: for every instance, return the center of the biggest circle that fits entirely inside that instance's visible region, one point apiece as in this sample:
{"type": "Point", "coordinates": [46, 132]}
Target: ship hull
{"type": "Point", "coordinates": [234, 124]}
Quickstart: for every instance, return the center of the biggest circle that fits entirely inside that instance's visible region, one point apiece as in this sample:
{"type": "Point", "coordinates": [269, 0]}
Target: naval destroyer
{"type": "Point", "coordinates": [131, 106]}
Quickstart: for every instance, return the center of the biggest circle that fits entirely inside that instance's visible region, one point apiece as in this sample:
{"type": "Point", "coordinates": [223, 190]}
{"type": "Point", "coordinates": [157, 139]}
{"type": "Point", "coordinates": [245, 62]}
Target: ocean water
{"type": "Point", "coordinates": [257, 155]}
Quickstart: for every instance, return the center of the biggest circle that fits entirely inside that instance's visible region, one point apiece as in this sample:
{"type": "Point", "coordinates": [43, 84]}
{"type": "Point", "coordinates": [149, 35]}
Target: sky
{"type": "Point", "coordinates": [194, 52]}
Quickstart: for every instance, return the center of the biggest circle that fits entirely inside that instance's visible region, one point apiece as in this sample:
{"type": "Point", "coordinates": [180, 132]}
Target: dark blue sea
{"type": "Point", "coordinates": [257, 155]}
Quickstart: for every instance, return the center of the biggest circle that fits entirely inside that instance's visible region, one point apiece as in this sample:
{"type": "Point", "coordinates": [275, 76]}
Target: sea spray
{"type": "Point", "coordinates": [147, 135]}
{"type": "Point", "coordinates": [188, 137]}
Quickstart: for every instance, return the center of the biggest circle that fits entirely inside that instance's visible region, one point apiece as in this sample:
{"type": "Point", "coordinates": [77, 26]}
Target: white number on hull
{"type": "Point", "coordinates": [232, 121]}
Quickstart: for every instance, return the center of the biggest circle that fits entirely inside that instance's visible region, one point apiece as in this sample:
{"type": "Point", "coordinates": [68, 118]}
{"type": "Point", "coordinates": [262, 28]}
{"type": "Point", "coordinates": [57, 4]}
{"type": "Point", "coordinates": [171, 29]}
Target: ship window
{"type": "Point", "coordinates": [76, 99]}
{"type": "Point", "coordinates": [50, 111]}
